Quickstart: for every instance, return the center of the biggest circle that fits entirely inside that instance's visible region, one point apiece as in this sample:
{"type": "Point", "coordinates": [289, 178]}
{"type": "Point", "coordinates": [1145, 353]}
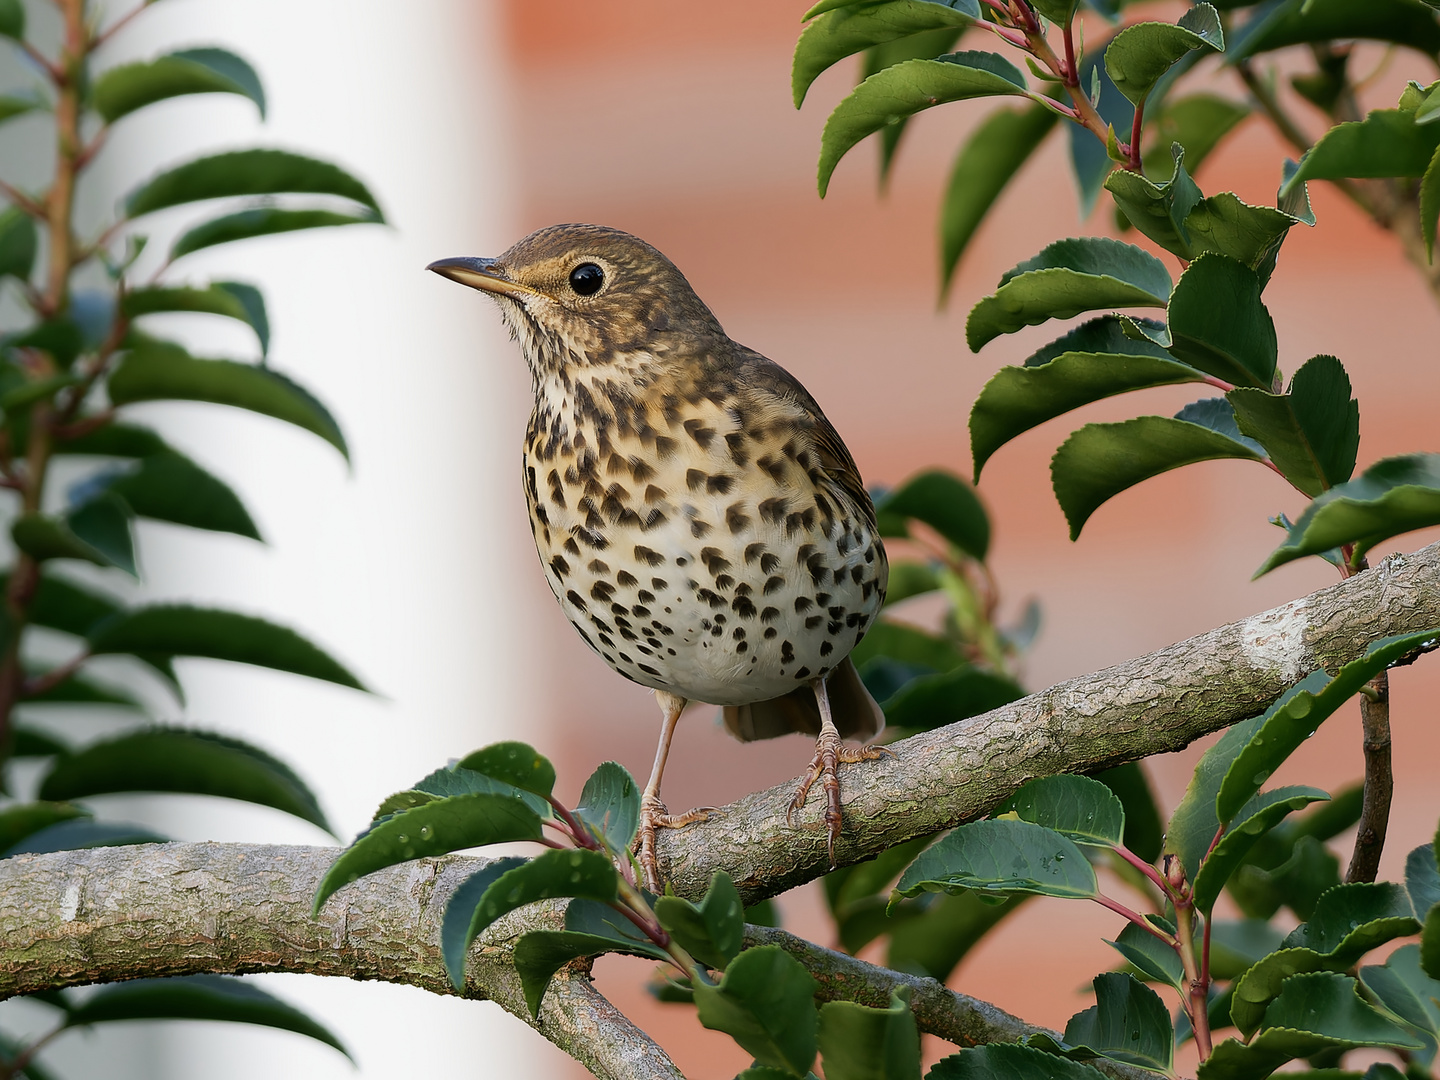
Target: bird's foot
{"type": "Point", "coordinates": [830, 752]}
{"type": "Point", "coordinates": [654, 816]}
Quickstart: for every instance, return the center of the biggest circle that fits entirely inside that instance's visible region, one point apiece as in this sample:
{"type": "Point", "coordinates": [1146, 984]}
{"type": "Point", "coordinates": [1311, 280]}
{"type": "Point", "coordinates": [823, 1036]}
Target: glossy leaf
{"type": "Point", "coordinates": [455, 936]}
{"type": "Point", "coordinates": [1018, 399]}
{"type": "Point", "coordinates": [1257, 817]}
{"type": "Point", "coordinates": [515, 763]}
{"type": "Point", "coordinates": [160, 372]}
{"type": "Point", "coordinates": [245, 172]}
{"type": "Point", "coordinates": [183, 762]}
{"type": "Point", "coordinates": [1001, 857]}
{"type": "Point", "coordinates": [1158, 210]}
{"type": "Point", "coordinates": [196, 997]}
{"type": "Point", "coordinates": [1388, 142]}
{"type": "Point", "coordinates": [19, 240]}
{"type": "Point", "coordinates": [836, 34]}
{"type": "Point", "coordinates": [261, 221]}
{"type": "Point", "coordinates": [1407, 992]}
{"type": "Point", "coordinates": [610, 805]}
{"type": "Point", "coordinates": [590, 929]}
{"type": "Point", "coordinates": [908, 88]}
{"type": "Point", "coordinates": [1099, 461]}
{"type": "Point", "coordinates": [80, 833]}
{"type": "Point", "coordinates": [1009, 1061]}
{"type": "Point", "coordinates": [1067, 278]}
{"type": "Point", "coordinates": [1393, 496]}
{"type": "Point", "coordinates": [1152, 957]}
{"type": "Point", "coordinates": [990, 158]}
{"type": "Point", "coordinates": [710, 931]}
{"type": "Point", "coordinates": [124, 89]}
{"type": "Point", "coordinates": [765, 1002]}
{"type": "Point", "coordinates": [1198, 122]}
{"type": "Point", "coordinates": [1430, 944]}
{"type": "Point", "coordinates": [1236, 945]}
{"type": "Point", "coordinates": [1261, 984]}
{"type": "Point", "coordinates": [181, 630]}
{"type": "Point", "coordinates": [931, 701]}
{"type": "Point", "coordinates": [1249, 234]}
{"type": "Point", "coordinates": [858, 1042]}
{"type": "Point", "coordinates": [1128, 1022]}
{"type": "Point", "coordinates": [170, 487]}
{"type": "Point", "coordinates": [1354, 918]}
{"type": "Point", "coordinates": [1139, 55]}
{"type": "Point", "coordinates": [1083, 809]}
{"type": "Point", "coordinates": [944, 502]}
{"type": "Point", "coordinates": [21, 820]}
{"type": "Point", "coordinates": [1299, 22]}
{"type": "Point", "coordinates": [102, 522]}
{"type": "Point", "coordinates": [1311, 433]}
{"type": "Point", "coordinates": [232, 299]}
{"type": "Point", "coordinates": [1218, 324]}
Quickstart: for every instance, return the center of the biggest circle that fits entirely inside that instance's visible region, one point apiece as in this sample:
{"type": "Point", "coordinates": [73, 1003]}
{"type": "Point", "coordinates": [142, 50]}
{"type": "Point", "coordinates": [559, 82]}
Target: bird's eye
{"type": "Point", "coordinates": [586, 279]}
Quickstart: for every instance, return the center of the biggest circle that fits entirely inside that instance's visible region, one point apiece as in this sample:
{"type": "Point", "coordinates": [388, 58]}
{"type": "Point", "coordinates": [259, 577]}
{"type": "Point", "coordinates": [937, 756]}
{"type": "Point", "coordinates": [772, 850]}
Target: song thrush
{"type": "Point", "coordinates": [699, 520]}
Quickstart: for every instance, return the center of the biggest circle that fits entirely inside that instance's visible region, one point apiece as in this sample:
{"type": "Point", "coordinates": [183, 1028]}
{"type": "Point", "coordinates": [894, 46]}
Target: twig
{"type": "Point", "coordinates": [1379, 782]}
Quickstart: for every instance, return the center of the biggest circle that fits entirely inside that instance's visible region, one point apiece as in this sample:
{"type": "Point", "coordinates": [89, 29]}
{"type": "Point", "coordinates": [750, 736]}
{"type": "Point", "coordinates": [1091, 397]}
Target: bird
{"type": "Point", "coordinates": [699, 520]}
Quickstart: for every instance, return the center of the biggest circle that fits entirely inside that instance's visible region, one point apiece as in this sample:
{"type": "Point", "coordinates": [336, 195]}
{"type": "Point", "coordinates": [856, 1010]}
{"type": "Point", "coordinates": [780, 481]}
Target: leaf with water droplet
{"type": "Point", "coordinates": [999, 857]}
{"type": "Point", "coordinates": [1083, 809]}
{"type": "Point", "coordinates": [1254, 819]}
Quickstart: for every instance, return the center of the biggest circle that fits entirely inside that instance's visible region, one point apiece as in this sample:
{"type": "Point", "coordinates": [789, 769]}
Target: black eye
{"type": "Point", "coordinates": [586, 279]}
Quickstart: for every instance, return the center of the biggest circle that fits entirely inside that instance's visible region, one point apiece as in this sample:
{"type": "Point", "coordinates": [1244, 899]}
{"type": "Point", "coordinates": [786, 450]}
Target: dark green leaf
{"type": "Point", "coordinates": [1104, 335]}
{"type": "Point", "coordinates": [1152, 957]}
{"type": "Point", "coordinates": [245, 172]}
{"type": "Point", "coordinates": [1262, 983]}
{"type": "Point", "coordinates": [712, 931]}
{"type": "Point", "coordinates": [261, 221]}
{"type": "Point", "coordinates": [1310, 433]}
{"type": "Point", "coordinates": [48, 538]}
{"type": "Point", "coordinates": [908, 645]}
{"type": "Point", "coordinates": [65, 606]}
{"type": "Point", "coordinates": [1139, 55]}
{"type": "Point", "coordinates": [1083, 809]}
{"type": "Point", "coordinates": [834, 35]}
{"type": "Point", "coordinates": [1128, 1022]}
{"type": "Point", "coordinates": [1422, 879]}
{"type": "Point", "coordinates": [1099, 461]}
{"type": "Point", "coordinates": [515, 763]}
{"type": "Point", "coordinates": [1299, 22]}
{"type": "Point", "coordinates": [121, 90]}
{"type": "Point", "coordinates": [765, 1002]}
{"type": "Point", "coordinates": [909, 579]}
{"type": "Point", "coordinates": [1218, 324]}
{"type": "Point", "coordinates": [590, 929]}
{"type": "Point", "coordinates": [83, 833]}
{"type": "Point", "coordinates": [1235, 945]}
{"type": "Point", "coordinates": [232, 299]}
{"type": "Point", "coordinates": [1261, 814]}
{"type": "Point", "coordinates": [455, 936]}
{"type": "Point", "coordinates": [931, 701]}
{"type": "Point", "coordinates": [1020, 398]}
{"type": "Point", "coordinates": [103, 522]}
{"type": "Point", "coordinates": [12, 19]}
{"type": "Point", "coordinates": [1001, 857]}
{"type": "Point", "coordinates": [862, 1043]}
{"type": "Point", "coordinates": [197, 997]}
{"type": "Point", "coordinates": [1157, 210]}
{"type": "Point", "coordinates": [1393, 496]}
{"type": "Point", "coordinates": [1352, 919]}
{"type": "Point", "coordinates": [1067, 278]}
{"type": "Point", "coordinates": [19, 821]}
{"type": "Point", "coordinates": [935, 940]}
{"type": "Point", "coordinates": [908, 88]}
{"type": "Point", "coordinates": [18, 242]}
{"type": "Point", "coordinates": [1409, 993]}
{"type": "Point", "coordinates": [923, 46]}
{"type": "Point", "coordinates": [1249, 234]}
{"type": "Point", "coordinates": [1144, 831]}
{"type": "Point", "coordinates": [1430, 944]}
{"type": "Point", "coordinates": [32, 742]}
{"type": "Point", "coordinates": [158, 372]}
{"type": "Point", "coordinates": [13, 105]}
{"type": "Point", "coordinates": [851, 884]}
{"type": "Point", "coordinates": [1197, 122]}
{"type": "Point", "coordinates": [436, 828]}
{"type": "Point", "coordinates": [184, 762]}
{"type": "Point", "coordinates": [1430, 203]}
{"type": "Point", "coordinates": [986, 164]}
{"type": "Point", "coordinates": [1388, 142]}
{"type": "Point", "coordinates": [180, 630]}
{"type": "Point", "coordinates": [944, 502]}
{"type": "Point", "coordinates": [77, 690]}
{"type": "Point", "coordinates": [170, 487]}
{"type": "Point", "coordinates": [1009, 1061]}
{"type": "Point", "coordinates": [1297, 879]}
{"type": "Point", "coordinates": [610, 805]}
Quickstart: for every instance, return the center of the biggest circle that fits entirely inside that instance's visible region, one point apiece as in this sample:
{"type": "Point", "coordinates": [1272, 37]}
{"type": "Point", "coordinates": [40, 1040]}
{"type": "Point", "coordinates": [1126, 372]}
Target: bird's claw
{"type": "Point", "coordinates": [654, 816]}
{"type": "Point", "coordinates": [830, 752]}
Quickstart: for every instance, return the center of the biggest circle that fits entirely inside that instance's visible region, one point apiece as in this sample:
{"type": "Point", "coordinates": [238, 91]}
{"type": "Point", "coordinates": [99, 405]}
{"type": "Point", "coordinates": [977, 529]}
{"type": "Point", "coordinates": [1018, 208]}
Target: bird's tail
{"type": "Point", "coordinates": [853, 709]}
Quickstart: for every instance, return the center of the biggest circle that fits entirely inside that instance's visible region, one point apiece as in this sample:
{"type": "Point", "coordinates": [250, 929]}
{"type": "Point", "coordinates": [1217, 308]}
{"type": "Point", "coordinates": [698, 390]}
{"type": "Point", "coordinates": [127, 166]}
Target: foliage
{"type": "Point", "coordinates": [83, 352]}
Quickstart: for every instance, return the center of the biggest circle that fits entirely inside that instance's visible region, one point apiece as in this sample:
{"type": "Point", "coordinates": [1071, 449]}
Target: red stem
{"type": "Point", "coordinates": [1136, 918]}
{"type": "Point", "coordinates": [1144, 867]}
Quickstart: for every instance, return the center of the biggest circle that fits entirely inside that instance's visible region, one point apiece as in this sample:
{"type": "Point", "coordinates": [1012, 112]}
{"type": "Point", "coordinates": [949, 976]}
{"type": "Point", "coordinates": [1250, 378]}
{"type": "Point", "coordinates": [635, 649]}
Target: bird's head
{"type": "Point", "coordinates": [584, 295]}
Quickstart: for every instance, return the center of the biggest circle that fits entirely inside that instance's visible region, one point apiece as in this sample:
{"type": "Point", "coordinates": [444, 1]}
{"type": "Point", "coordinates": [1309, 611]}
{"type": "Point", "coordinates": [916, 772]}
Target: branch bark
{"type": "Point", "coordinates": [1151, 705]}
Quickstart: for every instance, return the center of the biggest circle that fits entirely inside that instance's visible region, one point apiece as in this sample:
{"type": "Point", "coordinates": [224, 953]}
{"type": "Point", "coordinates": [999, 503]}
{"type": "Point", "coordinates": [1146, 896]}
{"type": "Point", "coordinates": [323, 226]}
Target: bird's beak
{"type": "Point", "coordinates": [483, 274]}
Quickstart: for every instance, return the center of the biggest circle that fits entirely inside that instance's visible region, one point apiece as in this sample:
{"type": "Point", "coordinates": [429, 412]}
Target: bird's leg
{"type": "Point", "coordinates": [652, 811]}
{"type": "Point", "coordinates": [829, 753]}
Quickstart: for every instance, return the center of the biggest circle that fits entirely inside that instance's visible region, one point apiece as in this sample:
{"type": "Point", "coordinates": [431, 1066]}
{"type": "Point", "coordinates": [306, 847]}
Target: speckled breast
{"type": "Point", "coordinates": [701, 551]}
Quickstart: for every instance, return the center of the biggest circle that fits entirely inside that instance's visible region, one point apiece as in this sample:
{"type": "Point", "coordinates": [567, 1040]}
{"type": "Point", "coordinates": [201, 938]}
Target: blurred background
{"type": "Point", "coordinates": [476, 121]}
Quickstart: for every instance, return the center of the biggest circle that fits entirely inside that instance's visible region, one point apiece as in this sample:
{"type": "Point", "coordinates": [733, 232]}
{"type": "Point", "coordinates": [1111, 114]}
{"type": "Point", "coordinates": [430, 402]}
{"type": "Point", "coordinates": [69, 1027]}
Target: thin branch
{"type": "Point", "coordinates": [1379, 782]}
{"type": "Point", "coordinates": [23, 201]}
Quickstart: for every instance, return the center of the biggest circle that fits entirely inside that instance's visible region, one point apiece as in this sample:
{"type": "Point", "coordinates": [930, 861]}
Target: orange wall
{"type": "Point", "coordinates": [673, 120]}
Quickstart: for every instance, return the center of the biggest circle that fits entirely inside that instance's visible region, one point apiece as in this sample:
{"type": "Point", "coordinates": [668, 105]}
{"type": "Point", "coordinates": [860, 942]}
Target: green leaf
{"type": "Point", "coordinates": [610, 805]}
{"type": "Point", "coordinates": [590, 929]}
{"type": "Point", "coordinates": [1311, 433]}
{"type": "Point", "coordinates": [515, 763]}
{"type": "Point", "coordinates": [1018, 399]}
{"type": "Point", "coordinates": [231, 299]}
{"type": "Point", "coordinates": [931, 701]}
{"type": "Point", "coordinates": [19, 240]}
{"type": "Point", "coordinates": [159, 372]}
{"type": "Point", "coordinates": [13, 105]}
{"type": "Point", "coordinates": [1430, 944]}
{"type": "Point", "coordinates": [1009, 1061]}
{"type": "Point", "coordinates": [1197, 122]}
{"type": "Point", "coordinates": [1157, 210]}
{"type": "Point", "coordinates": [77, 690]}
{"type": "Point", "coordinates": [1128, 1022]}
{"type": "Point", "coordinates": [1249, 234]}
{"type": "Point", "coordinates": [1388, 142]}
{"type": "Point", "coordinates": [455, 936]}
{"type": "Point", "coordinates": [65, 606]}
{"type": "Point", "coordinates": [103, 522]}
{"type": "Point", "coordinates": [907, 644]}
{"type": "Point", "coordinates": [197, 997]}
{"type": "Point", "coordinates": [1099, 461]}
{"type": "Point", "coordinates": [1236, 945]}
{"type": "Point", "coordinates": [12, 19]}
{"type": "Point", "coordinates": [1139, 55]}
{"type": "Point", "coordinates": [80, 833]}
{"type": "Point", "coordinates": [923, 46]}
{"type": "Point", "coordinates": [1299, 22]}
{"type": "Point", "coordinates": [909, 579]}
{"type": "Point", "coordinates": [1257, 817]}
{"type": "Point", "coordinates": [1262, 983]}
{"type": "Point", "coordinates": [183, 762]}
{"type": "Point", "coordinates": [261, 221]}
{"type": "Point", "coordinates": [181, 630]}
{"type": "Point", "coordinates": [1001, 857]}
{"type": "Point", "coordinates": [765, 1002]}
{"type": "Point", "coordinates": [49, 538]}
{"type": "Point", "coordinates": [905, 89]}
{"type": "Point", "coordinates": [1304, 871]}
{"type": "Point", "coordinates": [168, 486]}
{"type": "Point", "coordinates": [1393, 496]}
{"type": "Point", "coordinates": [712, 931]}
{"type": "Point", "coordinates": [1404, 989]}
{"type": "Point", "coordinates": [1430, 203]}
{"type": "Point", "coordinates": [436, 828]}
{"type": "Point", "coordinates": [1083, 809]}
{"type": "Point", "coordinates": [1148, 954]}
{"type": "Point", "coordinates": [862, 1043]}
{"type": "Point", "coordinates": [122, 90]}
{"type": "Point", "coordinates": [987, 162]}
{"type": "Point", "coordinates": [935, 940]}
{"type": "Point", "coordinates": [19, 821]}
{"type": "Point", "coordinates": [245, 172]}
{"type": "Point", "coordinates": [1106, 335]}
{"type": "Point", "coordinates": [1262, 745]}
{"type": "Point", "coordinates": [1218, 324]}
{"type": "Point", "coordinates": [1144, 831]}
{"type": "Point", "coordinates": [1422, 878]}
{"type": "Point", "coordinates": [31, 742]}
{"type": "Point", "coordinates": [944, 502]}
{"type": "Point", "coordinates": [1352, 919]}
{"type": "Point", "coordinates": [1068, 277]}
{"type": "Point", "coordinates": [836, 34]}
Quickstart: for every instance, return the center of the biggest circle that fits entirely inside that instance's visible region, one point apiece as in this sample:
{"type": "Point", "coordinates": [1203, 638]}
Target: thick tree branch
{"type": "Point", "coordinates": [1155, 704]}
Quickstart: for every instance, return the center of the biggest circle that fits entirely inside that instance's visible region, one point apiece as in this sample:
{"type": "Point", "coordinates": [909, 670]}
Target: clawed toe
{"type": "Point", "coordinates": [830, 753]}
{"type": "Point", "coordinates": [653, 816]}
